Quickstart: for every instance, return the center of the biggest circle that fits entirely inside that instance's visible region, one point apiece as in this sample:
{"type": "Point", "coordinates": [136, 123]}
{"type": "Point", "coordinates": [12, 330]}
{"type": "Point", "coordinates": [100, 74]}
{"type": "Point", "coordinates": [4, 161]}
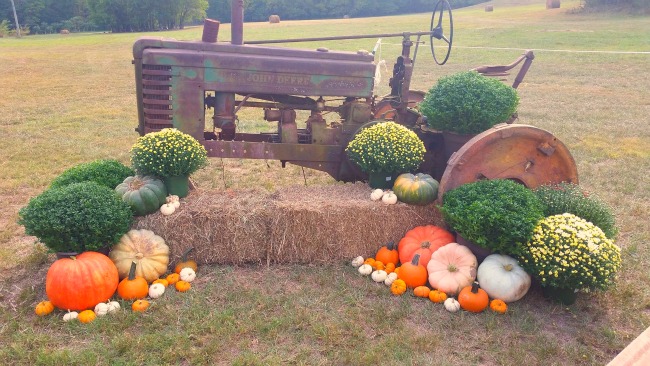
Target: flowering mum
{"type": "Point", "coordinates": [386, 147]}
{"type": "Point", "coordinates": [168, 153]}
{"type": "Point", "coordinates": [569, 252]}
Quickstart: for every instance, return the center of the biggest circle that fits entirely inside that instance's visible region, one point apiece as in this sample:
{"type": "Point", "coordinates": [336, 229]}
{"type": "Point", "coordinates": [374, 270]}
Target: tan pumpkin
{"type": "Point", "coordinates": [451, 268]}
{"type": "Point", "coordinates": [146, 249]}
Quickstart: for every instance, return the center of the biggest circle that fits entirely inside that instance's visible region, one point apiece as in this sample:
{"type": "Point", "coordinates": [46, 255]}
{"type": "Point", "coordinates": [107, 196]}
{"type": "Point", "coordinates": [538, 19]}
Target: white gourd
{"type": "Point", "coordinates": [502, 278]}
{"type": "Point", "coordinates": [113, 306]}
{"type": "Point", "coordinates": [357, 262]}
{"type": "Point", "coordinates": [452, 305]}
{"type": "Point", "coordinates": [156, 290]}
{"type": "Point", "coordinates": [167, 209]}
{"type": "Point", "coordinates": [377, 194]}
{"type": "Point", "coordinates": [390, 278]}
{"type": "Point", "coordinates": [70, 315]}
{"type": "Point", "coordinates": [389, 198]}
{"type": "Point", "coordinates": [101, 309]}
{"type": "Point", "coordinates": [365, 269]}
{"type": "Point", "coordinates": [187, 274]}
{"type": "Point", "coordinates": [379, 276]}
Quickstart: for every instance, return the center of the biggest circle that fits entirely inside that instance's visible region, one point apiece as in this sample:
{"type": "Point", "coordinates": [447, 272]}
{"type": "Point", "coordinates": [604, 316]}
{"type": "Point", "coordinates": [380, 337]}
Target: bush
{"type": "Point", "coordinates": [570, 198]}
{"type": "Point", "coordinates": [77, 217]}
{"type": "Point", "coordinates": [468, 103]}
{"type": "Point", "coordinates": [168, 153]}
{"type": "Point", "coordinates": [108, 173]}
{"type": "Point", "coordinates": [499, 214]}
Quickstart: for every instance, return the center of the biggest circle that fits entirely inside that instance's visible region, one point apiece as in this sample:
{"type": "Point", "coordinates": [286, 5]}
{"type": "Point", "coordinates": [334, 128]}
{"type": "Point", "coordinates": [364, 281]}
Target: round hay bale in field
{"type": "Point", "coordinates": [314, 224]}
{"type": "Point", "coordinates": [552, 4]}
{"type": "Point", "coordinates": [274, 18]}
{"type": "Point", "coordinates": [64, 31]}
{"type": "Point", "coordinates": [489, 8]}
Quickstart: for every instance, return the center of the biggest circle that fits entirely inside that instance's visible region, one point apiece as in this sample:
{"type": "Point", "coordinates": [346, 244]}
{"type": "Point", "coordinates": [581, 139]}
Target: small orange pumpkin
{"type": "Point", "coordinates": [398, 287]}
{"type": "Point", "coordinates": [173, 278]}
{"type": "Point", "coordinates": [379, 265]}
{"type": "Point", "coordinates": [186, 262]}
{"type": "Point", "coordinates": [437, 296]}
{"type": "Point", "coordinates": [43, 308]}
{"type": "Point", "coordinates": [473, 298]}
{"type": "Point", "coordinates": [132, 287]}
{"type": "Point", "coordinates": [413, 273]}
{"type": "Point", "coordinates": [421, 291]}
{"type": "Point", "coordinates": [389, 268]}
{"type": "Point", "coordinates": [86, 316]}
{"type": "Point", "coordinates": [388, 253]}
{"type": "Point", "coordinates": [161, 281]}
{"type": "Point", "coordinates": [140, 305]}
{"type": "Point", "coordinates": [498, 306]}
{"type": "Point", "coordinates": [183, 286]}
{"type": "Point", "coordinates": [370, 261]}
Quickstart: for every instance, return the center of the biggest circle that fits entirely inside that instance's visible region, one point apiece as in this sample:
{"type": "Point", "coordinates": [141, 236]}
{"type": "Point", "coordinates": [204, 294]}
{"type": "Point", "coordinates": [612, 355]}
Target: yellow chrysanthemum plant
{"type": "Point", "coordinates": [168, 153]}
{"type": "Point", "coordinates": [572, 253]}
{"type": "Point", "coordinates": [386, 147]}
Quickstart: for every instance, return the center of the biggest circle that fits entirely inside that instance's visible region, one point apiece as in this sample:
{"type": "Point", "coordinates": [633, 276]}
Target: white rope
{"type": "Point", "coordinates": [549, 50]}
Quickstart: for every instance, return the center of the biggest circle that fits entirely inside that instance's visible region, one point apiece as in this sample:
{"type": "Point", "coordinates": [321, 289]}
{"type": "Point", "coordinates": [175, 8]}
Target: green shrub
{"type": "Point", "coordinates": [570, 198]}
{"type": "Point", "coordinates": [108, 173]}
{"type": "Point", "coordinates": [468, 103]}
{"type": "Point", "coordinates": [77, 217]}
{"type": "Point", "coordinates": [499, 214]}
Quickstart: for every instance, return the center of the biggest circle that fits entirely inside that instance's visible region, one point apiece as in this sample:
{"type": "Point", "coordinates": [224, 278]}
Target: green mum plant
{"type": "Point", "coordinates": [386, 147]}
{"type": "Point", "coordinates": [498, 214]}
{"type": "Point", "coordinates": [569, 252]}
{"type": "Point", "coordinates": [108, 173]}
{"type": "Point", "coordinates": [571, 198]}
{"type": "Point", "coordinates": [168, 153]}
{"type": "Point", "coordinates": [468, 103]}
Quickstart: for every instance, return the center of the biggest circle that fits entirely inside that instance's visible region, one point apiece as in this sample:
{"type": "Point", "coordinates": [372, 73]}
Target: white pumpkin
{"type": "Point", "coordinates": [113, 306]}
{"type": "Point", "coordinates": [379, 276]}
{"type": "Point", "coordinates": [187, 274]}
{"type": "Point", "coordinates": [101, 309]}
{"type": "Point", "coordinates": [365, 269]}
{"type": "Point", "coordinates": [390, 279]}
{"type": "Point", "coordinates": [389, 198]}
{"type": "Point", "coordinates": [156, 290]}
{"type": "Point", "coordinates": [502, 278]}
{"type": "Point", "coordinates": [172, 198]}
{"type": "Point", "coordinates": [452, 305]}
{"type": "Point", "coordinates": [377, 194]}
{"type": "Point", "coordinates": [70, 315]}
{"type": "Point", "coordinates": [167, 209]}
{"type": "Point", "coordinates": [357, 262]}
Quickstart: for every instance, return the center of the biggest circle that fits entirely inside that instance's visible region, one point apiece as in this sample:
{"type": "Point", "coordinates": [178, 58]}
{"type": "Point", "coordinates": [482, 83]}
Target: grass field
{"type": "Point", "coordinates": [71, 99]}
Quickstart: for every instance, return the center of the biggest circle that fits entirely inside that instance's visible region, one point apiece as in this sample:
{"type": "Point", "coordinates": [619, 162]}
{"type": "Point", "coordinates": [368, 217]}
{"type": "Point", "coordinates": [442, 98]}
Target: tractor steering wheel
{"type": "Point", "coordinates": [442, 12]}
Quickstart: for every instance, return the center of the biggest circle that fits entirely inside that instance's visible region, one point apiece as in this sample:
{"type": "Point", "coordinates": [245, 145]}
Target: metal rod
{"type": "Point", "coordinates": [336, 38]}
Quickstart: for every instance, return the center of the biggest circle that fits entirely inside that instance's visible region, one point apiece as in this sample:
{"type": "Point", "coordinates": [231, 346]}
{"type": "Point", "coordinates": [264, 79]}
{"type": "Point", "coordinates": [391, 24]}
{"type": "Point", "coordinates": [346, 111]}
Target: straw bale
{"type": "Point", "coordinates": [274, 19]}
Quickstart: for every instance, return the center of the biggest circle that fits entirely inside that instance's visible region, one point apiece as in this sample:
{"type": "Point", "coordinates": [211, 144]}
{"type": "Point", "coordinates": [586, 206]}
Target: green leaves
{"type": "Point", "coordinates": [108, 173]}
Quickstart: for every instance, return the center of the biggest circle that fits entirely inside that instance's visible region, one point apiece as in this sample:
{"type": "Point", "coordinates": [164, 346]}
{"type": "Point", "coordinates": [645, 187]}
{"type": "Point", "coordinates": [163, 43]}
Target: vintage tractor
{"type": "Point", "coordinates": [177, 80]}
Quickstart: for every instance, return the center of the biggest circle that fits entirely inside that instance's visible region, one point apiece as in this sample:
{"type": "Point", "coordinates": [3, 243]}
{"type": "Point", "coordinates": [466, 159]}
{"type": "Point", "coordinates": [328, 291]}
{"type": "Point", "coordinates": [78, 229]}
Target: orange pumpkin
{"type": "Point", "coordinates": [421, 291]}
{"type": "Point", "coordinates": [473, 298]}
{"type": "Point", "coordinates": [182, 286]}
{"type": "Point", "coordinates": [133, 287]}
{"type": "Point", "coordinates": [81, 282]}
{"type": "Point", "coordinates": [43, 308]}
{"type": "Point", "coordinates": [370, 261]}
{"type": "Point", "coordinates": [413, 273]}
{"type": "Point", "coordinates": [389, 268]}
{"type": "Point", "coordinates": [437, 296]}
{"type": "Point", "coordinates": [379, 265]}
{"type": "Point", "coordinates": [186, 262]}
{"type": "Point", "coordinates": [140, 305]}
{"type": "Point", "coordinates": [173, 278]}
{"type": "Point", "coordinates": [398, 287]}
{"type": "Point", "coordinates": [161, 281]}
{"type": "Point", "coordinates": [423, 240]}
{"type": "Point", "coordinates": [388, 254]}
{"type": "Point", "coordinates": [86, 316]}
{"type": "Point", "coordinates": [498, 306]}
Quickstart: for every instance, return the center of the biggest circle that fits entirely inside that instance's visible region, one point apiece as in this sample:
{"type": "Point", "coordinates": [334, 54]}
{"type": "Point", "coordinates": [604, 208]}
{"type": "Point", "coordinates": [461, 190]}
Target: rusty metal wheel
{"type": "Point", "coordinates": [444, 23]}
{"type": "Point", "coordinates": [522, 153]}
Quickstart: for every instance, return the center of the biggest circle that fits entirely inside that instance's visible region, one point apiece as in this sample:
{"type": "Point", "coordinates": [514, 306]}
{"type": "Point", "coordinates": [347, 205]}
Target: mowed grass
{"type": "Point", "coordinates": [71, 99]}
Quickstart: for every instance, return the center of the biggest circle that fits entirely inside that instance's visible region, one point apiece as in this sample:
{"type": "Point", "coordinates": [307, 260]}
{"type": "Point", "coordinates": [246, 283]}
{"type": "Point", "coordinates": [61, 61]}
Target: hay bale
{"type": "Point", "coordinates": [489, 8]}
{"type": "Point", "coordinates": [552, 4]}
{"type": "Point", "coordinates": [64, 31]}
{"type": "Point", "coordinates": [274, 18]}
{"type": "Point", "coordinates": [315, 224]}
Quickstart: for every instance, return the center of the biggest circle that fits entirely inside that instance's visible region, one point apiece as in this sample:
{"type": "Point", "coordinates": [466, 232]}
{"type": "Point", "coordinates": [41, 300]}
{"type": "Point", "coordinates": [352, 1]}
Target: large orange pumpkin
{"type": "Point", "coordinates": [81, 282]}
{"type": "Point", "coordinates": [423, 240]}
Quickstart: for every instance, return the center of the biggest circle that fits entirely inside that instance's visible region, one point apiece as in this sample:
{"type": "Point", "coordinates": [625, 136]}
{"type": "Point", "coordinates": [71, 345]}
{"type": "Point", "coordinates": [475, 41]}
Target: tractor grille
{"type": "Point", "coordinates": [156, 97]}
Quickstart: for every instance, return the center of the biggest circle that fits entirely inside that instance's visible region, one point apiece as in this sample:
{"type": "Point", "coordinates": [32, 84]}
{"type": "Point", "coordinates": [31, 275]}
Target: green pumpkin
{"type": "Point", "coordinates": [418, 189]}
{"type": "Point", "coordinates": [144, 194]}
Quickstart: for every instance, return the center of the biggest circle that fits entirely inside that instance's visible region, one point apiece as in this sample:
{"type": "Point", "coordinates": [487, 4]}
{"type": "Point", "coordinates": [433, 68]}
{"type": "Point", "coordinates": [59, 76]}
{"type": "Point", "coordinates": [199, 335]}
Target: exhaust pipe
{"type": "Point", "coordinates": [237, 22]}
{"type": "Point", "coordinates": [210, 30]}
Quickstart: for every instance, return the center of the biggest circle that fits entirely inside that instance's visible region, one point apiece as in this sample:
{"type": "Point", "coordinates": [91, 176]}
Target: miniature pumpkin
{"type": "Point", "coordinates": [451, 268]}
{"type": "Point", "coordinates": [370, 261]}
{"type": "Point", "coordinates": [140, 305]}
{"type": "Point", "coordinates": [70, 315]}
{"type": "Point", "coordinates": [86, 316]}
{"type": "Point", "coordinates": [187, 274]}
{"type": "Point", "coordinates": [365, 269]}
{"type": "Point", "coordinates": [398, 287]}
{"type": "Point", "coordinates": [113, 306]}
{"type": "Point", "coordinates": [437, 296]}
{"type": "Point", "coordinates": [423, 240]}
{"type": "Point", "coordinates": [418, 189]}
{"type": "Point", "coordinates": [502, 278]}
{"type": "Point", "coordinates": [452, 305]}
{"type": "Point", "coordinates": [156, 290]}
{"type": "Point", "coordinates": [143, 194]}
{"type": "Point", "coordinates": [388, 254]}
{"type": "Point", "coordinates": [421, 291]}
{"type": "Point", "coordinates": [498, 306]}
{"type": "Point", "coordinates": [174, 200]}
{"type": "Point", "coordinates": [147, 249]}
{"type": "Point", "coordinates": [162, 281]}
{"type": "Point", "coordinates": [376, 194]}
{"type": "Point", "coordinates": [379, 275]}
{"type": "Point", "coordinates": [81, 282]}
{"type": "Point", "coordinates": [473, 298]}
{"type": "Point", "coordinates": [167, 209]}
{"type": "Point", "coordinates": [389, 268]}
{"type": "Point", "coordinates": [133, 287]}
{"type": "Point", "coordinates": [43, 308]}
{"type": "Point", "coordinates": [379, 265]}
{"type": "Point", "coordinates": [357, 262]}
{"type": "Point", "coordinates": [101, 309]}
{"type": "Point", "coordinates": [173, 278]}
{"type": "Point", "coordinates": [389, 198]}
{"type": "Point", "coordinates": [413, 273]}
{"type": "Point", "coordinates": [183, 286]}
{"type": "Point", "coordinates": [390, 279]}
